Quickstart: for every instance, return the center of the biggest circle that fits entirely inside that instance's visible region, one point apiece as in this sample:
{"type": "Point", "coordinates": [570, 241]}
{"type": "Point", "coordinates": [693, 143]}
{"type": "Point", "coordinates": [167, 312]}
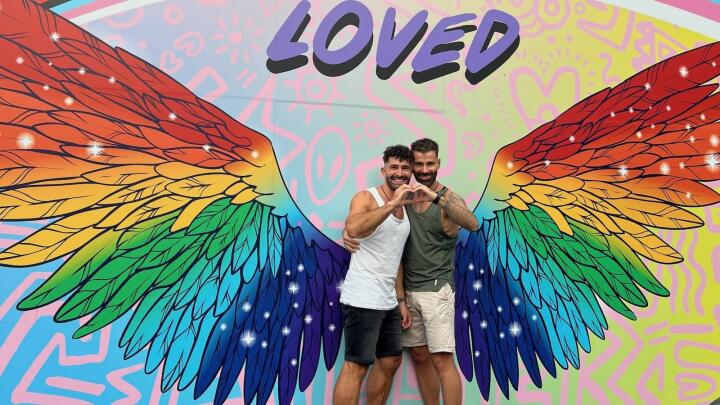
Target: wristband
{"type": "Point", "coordinates": [439, 195]}
{"type": "Point", "coordinates": [401, 299]}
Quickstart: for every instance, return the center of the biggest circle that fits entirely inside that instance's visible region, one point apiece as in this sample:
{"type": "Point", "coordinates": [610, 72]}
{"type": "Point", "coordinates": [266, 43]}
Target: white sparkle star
{"type": "Point", "coordinates": [477, 285]}
{"type": "Point", "coordinates": [223, 326]}
{"type": "Point", "coordinates": [465, 315]}
{"type": "Point", "coordinates": [547, 163]}
{"type": "Point", "coordinates": [340, 285]}
{"type": "Point", "coordinates": [293, 362]}
{"type": "Point", "coordinates": [482, 271]}
{"type": "Point", "coordinates": [688, 195]}
{"type": "Point", "coordinates": [285, 331]}
{"type": "Point", "coordinates": [475, 301]}
{"type": "Point", "coordinates": [81, 71]}
{"type": "Point", "coordinates": [612, 114]}
{"type": "Point", "coordinates": [502, 335]}
{"type": "Point", "coordinates": [516, 301]}
{"type": "Point", "coordinates": [25, 141]}
{"type": "Point", "coordinates": [50, 64]}
{"type": "Point", "coordinates": [246, 307]}
{"type": "Point", "coordinates": [172, 116]}
{"type": "Point", "coordinates": [46, 87]}
{"type": "Point", "coordinates": [652, 126]}
{"type": "Point", "coordinates": [515, 329]}
{"type": "Point", "coordinates": [287, 273]}
{"type": "Point", "coordinates": [301, 267]}
{"type": "Point", "coordinates": [248, 339]}
{"type": "Point", "coordinates": [688, 127]}
{"type": "Point", "coordinates": [69, 101]}
{"type": "Point", "coordinates": [477, 353]}
{"type": "Point", "coordinates": [623, 171]}
{"type": "Point", "coordinates": [483, 324]}
{"type": "Point", "coordinates": [255, 154]}
{"type": "Point", "coordinates": [534, 317]}
{"type": "Point", "coordinates": [714, 141]}
{"type": "Point", "coordinates": [331, 328]}
{"type": "Point", "coordinates": [668, 108]}
{"type": "Point", "coordinates": [19, 60]}
{"type": "Point", "coordinates": [206, 148]}
{"type": "Point", "coordinates": [713, 64]}
{"type": "Point", "coordinates": [55, 36]}
{"type": "Point", "coordinates": [692, 139]}
{"type": "Point", "coordinates": [631, 110]}
{"type": "Point", "coordinates": [572, 138]}
{"type": "Point", "coordinates": [111, 79]}
{"type": "Point", "coordinates": [331, 303]}
{"type": "Point", "coordinates": [94, 149]}
{"type": "Point", "coordinates": [638, 134]}
{"type": "Point", "coordinates": [293, 288]}
{"type": "Point", "coordinates": [683, 71]}
{"type": "Point", "coordinates": [510, 165]}
{"type": "Point", "coordinates": [664, 168]}
{"type": "Point", "coordinates": [264, 344]}
{"type": "Point", "coordinates": [702, 117]}
{"type": "Point", "coordinates": [471, 267]}
{"type": "Point", "coordinates": [308, 319]}
{"type": "Point", "coordinates": [713, 161]}
{"type": "Point", "coordinates": [647, 86]}
{"type": "Point", "coordinates": [296, 305]}
{"type": "Point", "coordinates": [266, 315]}
{"type": "Point", "coordinates": [682, 165]}
{"type": "Point", "coordinates": [499, 308]}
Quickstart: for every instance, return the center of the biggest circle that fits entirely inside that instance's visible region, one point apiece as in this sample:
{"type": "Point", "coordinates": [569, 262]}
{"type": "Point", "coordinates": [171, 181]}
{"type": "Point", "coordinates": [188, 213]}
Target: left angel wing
{"type": "Point", "coordinates": [163, 204]}
{"type": "Point", "coordinates": [566, 218]}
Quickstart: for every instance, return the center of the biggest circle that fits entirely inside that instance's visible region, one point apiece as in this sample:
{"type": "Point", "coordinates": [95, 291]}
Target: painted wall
{"type": "Point", "coordinates": [328, 134]}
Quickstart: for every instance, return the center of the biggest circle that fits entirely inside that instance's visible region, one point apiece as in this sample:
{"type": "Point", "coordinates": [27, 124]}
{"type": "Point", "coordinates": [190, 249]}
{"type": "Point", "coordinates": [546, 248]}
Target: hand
{"type": "Point", "coordinates": [399, 197]}
{"type": "Point", "coordinates": [405, 317]}
{"type": "Point", "coordinates": [423, 193]}
{"type": "Point", "coordinates": [352, 245]}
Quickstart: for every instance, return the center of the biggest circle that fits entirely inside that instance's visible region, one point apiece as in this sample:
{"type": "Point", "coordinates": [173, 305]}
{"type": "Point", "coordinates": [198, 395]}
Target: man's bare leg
{"type": "Point", "coordinates": [347, 389]}
{"type": "Point", "coordinates": [427, 377]}
{"type": "Point", "coordinates": [449, 378]}
{"type": "Point", "coordinates": [380, 379]}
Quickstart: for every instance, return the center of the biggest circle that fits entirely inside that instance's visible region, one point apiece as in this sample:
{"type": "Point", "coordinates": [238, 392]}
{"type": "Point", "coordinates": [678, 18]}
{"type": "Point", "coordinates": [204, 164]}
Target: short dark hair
{"type": "Point", "coordinates": [401, 152]}
{"type": "Point", "coordinates": [425, 145]}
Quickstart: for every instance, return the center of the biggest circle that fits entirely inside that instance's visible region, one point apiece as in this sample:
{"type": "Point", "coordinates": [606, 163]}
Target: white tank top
{"type": "Point", "coordinates": [370, 281]}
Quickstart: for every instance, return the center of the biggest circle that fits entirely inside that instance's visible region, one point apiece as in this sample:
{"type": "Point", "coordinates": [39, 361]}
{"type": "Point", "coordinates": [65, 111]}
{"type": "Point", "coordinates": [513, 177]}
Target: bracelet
{"type": "Point", "coordinates": [401, 300]}
{"type": "Point", "coordinates": [439, 195]}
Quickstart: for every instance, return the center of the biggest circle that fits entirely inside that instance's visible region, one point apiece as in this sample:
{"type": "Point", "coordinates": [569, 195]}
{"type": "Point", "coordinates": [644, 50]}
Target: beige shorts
{"type": "Point", "coordinates": [433, 320]}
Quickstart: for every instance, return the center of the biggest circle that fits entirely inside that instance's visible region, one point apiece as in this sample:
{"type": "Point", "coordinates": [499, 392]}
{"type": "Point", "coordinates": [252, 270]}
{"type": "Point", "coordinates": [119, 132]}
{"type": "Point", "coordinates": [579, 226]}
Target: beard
{"type": "Point", "coordinates": [395, 182]}
{"type": "Point", "coordinates": [427, 179]}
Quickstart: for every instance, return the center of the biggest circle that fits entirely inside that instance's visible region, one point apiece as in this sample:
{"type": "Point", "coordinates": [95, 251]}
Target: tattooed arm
{"type": "Point", "coordinates": [457, 211]}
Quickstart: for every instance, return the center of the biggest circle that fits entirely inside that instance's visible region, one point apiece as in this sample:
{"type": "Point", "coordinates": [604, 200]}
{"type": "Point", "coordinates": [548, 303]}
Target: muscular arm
{"type": "Point", "coordinates": [457, 211]}
{"type": "Point", "coordinates": [365, 216]}
{"type": "Point", "coordinates": [399, 280]}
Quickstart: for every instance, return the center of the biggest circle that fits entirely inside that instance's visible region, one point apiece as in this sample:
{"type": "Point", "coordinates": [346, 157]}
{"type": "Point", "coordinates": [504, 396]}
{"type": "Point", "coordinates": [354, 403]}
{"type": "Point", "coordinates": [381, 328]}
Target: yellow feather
{"type": "Point", "coordinates": [245, 196]}
{"type": "Point", "coordinates": [37, 202]}
{"type": "Point", "coordinates": [154, 208]}
{"type": "Point", "coordinates": [516, 202]}
{"type": "Point", "coordinates": [583, 216]}
{"type": "Point", "coordinates": [55, 240]}
{"type": "Point", "coordinates": [549, 196]}
{"type": "Point", "coordinates": [564, 183]}
{"type": "Point", "coordinates": [191, 211]}
{"type": "Point", "coordinates": [656, 213]}
{"type": "Point", "coordinates": [139, 191]}
{"type": "Point", "coordinates": [525, 197]}
{"type": "Point", "coordinates": [205, 185]}
{"type": "Point", "coordinates": [605, 190]}
{"type": "Point", "coordinates": [236, 188]}
{"type": "Point", "coordinates": [646, 243]}
{"type": "Point", "coordinates": [121, 175]}
{"type": "Point", "coordinates": [595, 203]}
{"type": "Point", "coordinates": [557, 217]}
{"type": "Point", "coordinates": [121, 212]}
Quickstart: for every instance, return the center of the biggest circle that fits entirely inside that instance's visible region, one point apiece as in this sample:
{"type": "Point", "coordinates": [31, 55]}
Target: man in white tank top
{"type": "Point", "coordinates": [373, 318]}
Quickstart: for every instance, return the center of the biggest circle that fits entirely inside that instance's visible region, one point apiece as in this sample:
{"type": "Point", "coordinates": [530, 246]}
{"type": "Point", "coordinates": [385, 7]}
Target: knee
{"type": "Point", "coordinates": [355, 370]}
{"type": "Point", "coordinates": [443, 361]}
{"type": "Point", "coordinates": [391, 363]}
{"type": "Point", "coordinates": [419, 354]}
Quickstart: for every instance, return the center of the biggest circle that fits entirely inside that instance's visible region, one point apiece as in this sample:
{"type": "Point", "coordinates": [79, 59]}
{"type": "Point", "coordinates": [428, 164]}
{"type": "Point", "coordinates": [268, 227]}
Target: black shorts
{"type": "Point", "coordinates": [371, 333]}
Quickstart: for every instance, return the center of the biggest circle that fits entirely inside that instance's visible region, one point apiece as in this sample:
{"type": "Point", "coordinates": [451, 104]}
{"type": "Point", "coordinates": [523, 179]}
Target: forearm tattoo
{"type": "Point", "coordinates": [456, 209]}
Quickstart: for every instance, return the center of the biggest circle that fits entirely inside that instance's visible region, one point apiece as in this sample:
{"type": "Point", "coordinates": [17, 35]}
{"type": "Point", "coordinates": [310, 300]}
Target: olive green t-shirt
{"type": "Point", "coordinates": [429, 256]}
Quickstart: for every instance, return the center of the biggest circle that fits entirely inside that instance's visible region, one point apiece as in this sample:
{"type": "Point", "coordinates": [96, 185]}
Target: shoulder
{"type": "Point", "coordinates": [363, 199]}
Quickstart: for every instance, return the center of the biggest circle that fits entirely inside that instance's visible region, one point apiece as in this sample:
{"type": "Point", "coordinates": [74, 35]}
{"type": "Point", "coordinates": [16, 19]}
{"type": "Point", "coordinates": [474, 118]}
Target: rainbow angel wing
{"type": "Point", "coordinates": [160, 203]}
{"type": "Point", "coordinates": [567, 213]}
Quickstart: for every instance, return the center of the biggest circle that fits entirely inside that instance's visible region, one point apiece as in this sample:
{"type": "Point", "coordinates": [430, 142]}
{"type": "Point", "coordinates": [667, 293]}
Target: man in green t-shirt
{"type": "Point", "coordinates": [428, 263]}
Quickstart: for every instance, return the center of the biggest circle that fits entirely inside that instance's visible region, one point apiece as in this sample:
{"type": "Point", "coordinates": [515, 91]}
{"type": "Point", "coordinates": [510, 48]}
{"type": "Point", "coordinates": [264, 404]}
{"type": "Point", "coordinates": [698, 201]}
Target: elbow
{"type": "Point", "coordinates": [351, 231]}
{"type": "Point", "coordinates": [473, 225]}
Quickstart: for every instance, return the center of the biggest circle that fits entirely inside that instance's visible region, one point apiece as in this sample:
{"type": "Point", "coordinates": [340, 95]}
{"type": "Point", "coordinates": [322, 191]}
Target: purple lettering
{"type": "Point", "coordinates": [284, 45]}
{"type": "Point", "coordinates": [391, 47]}
{"type": "Point", "coordinates": [428, 56]}
{"type": "Point", "coordinates": [342, 60]}
{"type": "Point", "coordinates": [483, 59]}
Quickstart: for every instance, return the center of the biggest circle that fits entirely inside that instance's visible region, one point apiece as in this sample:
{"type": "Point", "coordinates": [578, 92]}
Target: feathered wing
{"type": "Point", "coordinates": [567, 215]}
{"type": "Point", "coordinates": [162, 203]}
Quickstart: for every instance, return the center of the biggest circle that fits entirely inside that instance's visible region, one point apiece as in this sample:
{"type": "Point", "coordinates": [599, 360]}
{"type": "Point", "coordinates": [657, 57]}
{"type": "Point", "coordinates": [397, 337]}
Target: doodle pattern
{"type": "Point", "coordinates": [327, 133]}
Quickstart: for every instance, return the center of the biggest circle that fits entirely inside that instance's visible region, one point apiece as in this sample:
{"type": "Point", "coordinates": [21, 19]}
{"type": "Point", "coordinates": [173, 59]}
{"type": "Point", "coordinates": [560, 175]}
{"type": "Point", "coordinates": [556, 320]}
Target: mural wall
{"type": "Point", "coordinates": [328, 134]}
